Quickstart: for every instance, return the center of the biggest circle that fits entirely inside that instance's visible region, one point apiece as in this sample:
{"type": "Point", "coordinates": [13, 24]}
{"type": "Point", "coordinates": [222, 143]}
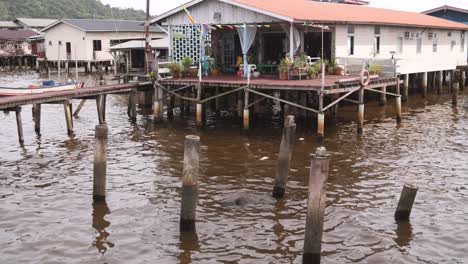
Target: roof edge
{"type": "Point", "coordinates": [445, 7]}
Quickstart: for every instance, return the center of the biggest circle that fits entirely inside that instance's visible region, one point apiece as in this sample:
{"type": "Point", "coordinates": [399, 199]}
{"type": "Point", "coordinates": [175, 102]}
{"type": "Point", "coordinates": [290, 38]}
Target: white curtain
{"type": "Point", "coordinates": [297, 36]}
{"type": "Point", "coordinates": [247, 37]}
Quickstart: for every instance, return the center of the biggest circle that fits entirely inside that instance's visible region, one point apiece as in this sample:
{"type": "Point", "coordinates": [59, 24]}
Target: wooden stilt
{"type": "Point", "coordinates": [424, 85]}
{"type": "Point", "coordinates": [319, 168]}
{"type": "Point", "coordinates": [284, 157]}
{"type": "Point", "coordinates": [157, 111]}
{"type": "Point", "coordinates": [405, 87]}
{"type": "Point", "coordinates": [78, 109]}
{"type": "Point", "coordinates": [246, 111]}
{"type": "Point", "coordinates": [100, 110]}
{"type": "Point", "coordinates": [462, 80]}
{"type": "Point", "coordinates": [405, 204]}
{"type": "Point", "coordinates": [440, 81]}
{"type": "Point", "coordinates": [360, 123]}
{"type": "Point", "coordinates": [199, 106]}
{"type": "Point", "coordinates": [190, 183]}
{"type": "Point", "coordinates": [19, 125]}
{"type": "Point", "coordinates": [100, 162]}
{"type": "Point", "coordinates": [398, 109]}
{"type": "Point", "coordinates": [239, 104]}
{"type": "Point", "coordinates": [133, 110]}
{"type": "Point", "coordinates": [456, 83]}
{"type": "Point", "coordinates": [383, 96]}
{"type": "Point", "coordinates": [68, 117]}
{"type": "Point", "coordinates": [37, 118]}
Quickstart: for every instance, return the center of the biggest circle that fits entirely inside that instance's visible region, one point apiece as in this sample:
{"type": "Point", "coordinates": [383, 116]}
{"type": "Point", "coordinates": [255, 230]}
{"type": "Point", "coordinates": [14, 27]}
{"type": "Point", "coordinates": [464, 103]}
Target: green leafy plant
{"type": "Point", "coordinates": [187, 62]}
{"type": "Point", "coordinates": [285, 64]}
{"type": "Point", "coordinates": [152, 76]}
{"type": "Point", "coordinates": [375, 68]}
{"type": "Point", "coordinates": [313, 70]}
{"type": "Point", "coordinates": [175, 68]}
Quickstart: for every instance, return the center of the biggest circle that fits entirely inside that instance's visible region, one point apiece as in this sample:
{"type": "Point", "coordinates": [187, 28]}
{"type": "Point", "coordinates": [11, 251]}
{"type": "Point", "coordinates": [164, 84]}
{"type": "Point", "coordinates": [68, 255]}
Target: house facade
{"type": "Point", "coordinates": [352, 34]}
{"type": "Point", "coordinates": [16, 42]}
{"type": "Point", "coordinates": [91, 40]}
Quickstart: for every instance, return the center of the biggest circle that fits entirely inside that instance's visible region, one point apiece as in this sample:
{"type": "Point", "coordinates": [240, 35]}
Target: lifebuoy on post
{"type": "Point", "coordinates": [364, 78]}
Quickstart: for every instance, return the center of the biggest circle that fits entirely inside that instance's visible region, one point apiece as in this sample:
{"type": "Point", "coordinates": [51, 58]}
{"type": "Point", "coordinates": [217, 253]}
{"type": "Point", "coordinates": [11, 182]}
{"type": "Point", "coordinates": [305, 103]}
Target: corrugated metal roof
{"type": "Point", "coordinates": [8, 24]}
{"type": "Point", "coordinates": [109, 25]}
{"type": "Point", "coordinates": [304, 10]}
{"type": "Point", "coordinates": [35, 22]}
{"type": "Point", "coordinates": [17, 35]}
{"type": "Point", "coordinates": [323, 12]}
{"type": "Point", "coordinates": [140, 44]}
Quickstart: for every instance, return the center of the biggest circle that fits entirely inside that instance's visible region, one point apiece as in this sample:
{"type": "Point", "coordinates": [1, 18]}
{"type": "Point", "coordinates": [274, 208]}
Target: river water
{"type": "Point", "coordinates": [47, 214]}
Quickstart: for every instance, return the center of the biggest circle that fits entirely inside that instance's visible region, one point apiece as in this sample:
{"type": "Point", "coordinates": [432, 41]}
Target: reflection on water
{"type": "Point", "coordinates": [46, 188]}
{"type": "Point", "coordinates": [100, 210]}
{"type": "Point", "coordinates": [404, 233]}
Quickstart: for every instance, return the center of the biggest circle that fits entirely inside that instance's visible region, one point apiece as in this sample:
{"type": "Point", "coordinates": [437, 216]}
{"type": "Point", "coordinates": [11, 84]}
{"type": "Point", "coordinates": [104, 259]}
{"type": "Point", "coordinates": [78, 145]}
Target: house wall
{"type": "Point", "coordinates": [84, 42]}
{"type": "Point", "coordinates": [409, 61]}
{"type": "Point", "coordinates": [204, 13]}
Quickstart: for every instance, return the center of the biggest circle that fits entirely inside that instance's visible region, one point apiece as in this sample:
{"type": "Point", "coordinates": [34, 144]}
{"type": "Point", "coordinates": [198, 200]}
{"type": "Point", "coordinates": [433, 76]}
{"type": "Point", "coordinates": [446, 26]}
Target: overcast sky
{"type": "Point", "coordinates": [161, 6]}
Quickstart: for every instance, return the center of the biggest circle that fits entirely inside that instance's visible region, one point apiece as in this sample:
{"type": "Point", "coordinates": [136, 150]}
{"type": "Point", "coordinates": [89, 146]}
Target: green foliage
{"type": "Point", "coordinates": [187, 62]}
{"type": "Point", "coordinates": [175, 68]}
{"type": "Point", "coordinates": [300, 61]}
{"type": "Point", "coordinates": [375, 68]}
{"type": "Point", "coordinates": [285, 64]}
{"type": "Point", "coordinates": [11, 9]}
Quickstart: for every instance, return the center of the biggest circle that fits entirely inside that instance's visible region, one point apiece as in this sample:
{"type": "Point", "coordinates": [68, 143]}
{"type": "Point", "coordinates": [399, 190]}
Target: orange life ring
{"type": "Point", "coordinates": [364, 78]}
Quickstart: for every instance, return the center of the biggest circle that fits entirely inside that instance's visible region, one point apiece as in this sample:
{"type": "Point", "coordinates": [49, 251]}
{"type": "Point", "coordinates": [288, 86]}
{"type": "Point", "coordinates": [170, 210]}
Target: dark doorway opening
{"type": "Point", "coordinates": [273, 47]}
{"type": "Point", "coordinates": [313, 44]}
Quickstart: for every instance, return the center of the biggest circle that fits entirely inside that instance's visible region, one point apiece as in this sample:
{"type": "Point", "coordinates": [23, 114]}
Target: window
{"type": "Point", "coordinates": [377, 39]}
{"type": "Point", "coordinates": [97, 45]}
{"type": "Point", "coordinates": [350, 40]}
{"type": "Point", "coordinates": [400, 45]}
{"type": "Point", "coordinates": [452, 45]}
{"type": "Point", "coordinates": [434, 45]}
{"type": "Point", "coordinates": [350, 45]}
{"type": "Point", "coordinates": [418, 45]}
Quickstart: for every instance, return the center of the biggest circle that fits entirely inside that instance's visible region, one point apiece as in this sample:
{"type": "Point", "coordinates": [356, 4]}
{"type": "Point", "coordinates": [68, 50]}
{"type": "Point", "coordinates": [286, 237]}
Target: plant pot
{"type": "Point", "coordinates": [214, 73]}
{"type": "Point", "coordinates": [284, 75]}
{"type": "Point", "coordinates": [193, 72]}
{"type": "Point", "coordinates": [340, 71]}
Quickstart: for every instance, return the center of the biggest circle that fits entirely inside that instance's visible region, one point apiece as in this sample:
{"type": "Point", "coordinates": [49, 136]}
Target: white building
{"type": "Point", "coordinates": [353, 33]}
{"type": "Point", "coordinates": [90, 40]}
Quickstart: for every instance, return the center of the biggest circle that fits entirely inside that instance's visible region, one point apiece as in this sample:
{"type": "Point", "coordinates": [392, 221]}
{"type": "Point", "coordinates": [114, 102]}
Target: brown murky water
{"type": "Point", "coordinates": [47, 214]}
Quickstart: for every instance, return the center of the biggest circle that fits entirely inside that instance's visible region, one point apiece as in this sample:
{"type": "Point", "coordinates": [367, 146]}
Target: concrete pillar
{"type": "Point", "coordinates": [383, 96]}
{"type": "Point", "coordinates": [246, 118]}
{"type": "Point", "coordinates": [424, 84]}
{"type": "Point", "coordinates": [405, 87]}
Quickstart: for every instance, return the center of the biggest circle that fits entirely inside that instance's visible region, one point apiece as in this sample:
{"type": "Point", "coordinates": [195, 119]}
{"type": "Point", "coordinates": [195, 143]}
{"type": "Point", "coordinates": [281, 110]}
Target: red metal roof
{"type": "Point", "coordinates": [304, 10]}
{"type": "Point", "coordinates": [17, 35]}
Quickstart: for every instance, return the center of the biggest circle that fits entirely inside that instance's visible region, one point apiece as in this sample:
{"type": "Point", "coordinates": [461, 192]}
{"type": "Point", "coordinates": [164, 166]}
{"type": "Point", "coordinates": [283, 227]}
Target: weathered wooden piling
{"type": "Point", "coordinates": [455, 89]}
{"type": "Point", "coordinates": [100, 162]}
{"type": "Point", "coordinates": [405, 87]}
{"type": "Point", "coordinates": [100, 108]}
{"type": "Point", "coordinates": [170, 106]}
{"type": "Point", "coordinates": [37, 118]}
{"type": "Point", "coordinates": [78, 109]}
{"type": "Point", "coordinates": [19, 125]}
{"type": "Point", "coordinates": [405, 204]}
{"type": "Point", "coordinates": [440, 82]}
{"type": "Point", "coordinates": [424, 84]}
{"type": "Point", "coordinates": [68, 116]}
{"type": "Point", "coordinates": [199, 106]}
{"type": "Point", "coordinates": [321, 126]}
{"type": "Point", "coordinates": [462, 80]}
{"type": "Point", "coordinates": [190, 183]}
{"type": "Point", "coordinates": [360, 123]}
{"type": "Point", "coordinates": [158, 103]}
{"type": "Point", "coordinates": [398, 109]}
{"type": "Point", "coordinates": [132, 106]}
{"type": "Point", "coordinates": [246, 116]}
{"type": "Point", "coordinates": [383, 96]}
{"type": "Point", "coordinates": [284, 157]}
{"type": "Point", "coordinates": [319, 167]}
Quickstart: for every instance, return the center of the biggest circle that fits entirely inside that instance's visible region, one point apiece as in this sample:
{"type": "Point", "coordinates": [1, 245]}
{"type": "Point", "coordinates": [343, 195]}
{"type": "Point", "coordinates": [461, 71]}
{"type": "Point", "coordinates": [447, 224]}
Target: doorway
{"type": "Point", "coordinates": [313, 44]}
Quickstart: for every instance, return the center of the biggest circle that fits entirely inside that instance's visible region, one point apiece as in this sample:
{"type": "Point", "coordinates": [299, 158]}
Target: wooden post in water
{"type": "Point", "coordinates": [170, 106]}
{"type": "Point", "coordinates": [68, 116]}
{"type": "Point", "coordinates": [456, 83]}
{"type": "Point", "coordinates": [78, 109]}
{"type": "Point", "coordinates": [398, 109]}
{"type": "Point", "coordinates": [246, 111]}
{"type": "Point", "coordinates": [199, 106]}
{"type": "Point", "coordinates": [440, 82]}
{"type": "Point", "coordinates": [132, 106]}
{"type": "Point", "coordinates": [462, 80]}
{"type": "Point", "coordinates": [284, 157]}
{"type": "Point", "coordinates": [37, 118]}
{"type": "Point", "coordinates": [405, 204]}
{"type": "Point", "coordinates": [190, 183]}
{"type": "Point", "coordinates": [100, 162]}
{"type": "Point", "coordinates": [19, 125]}
{"type": "Point", "coordinates": [406, 87]}
{"type": "Point", "coordinates": [383, 96]}
{"type": "Point", "coordinates": [360, 123]}
{"type": "Point", "coordinates": [239, 103]}
{"type": "Point", "coordinates": [319, 167]}
{"type": "Point", "coordinates": [424, 85]}
{"type": "Point", "coordinates": [100, 108]}
{"type": "Point", "coordinates": [158, 103]}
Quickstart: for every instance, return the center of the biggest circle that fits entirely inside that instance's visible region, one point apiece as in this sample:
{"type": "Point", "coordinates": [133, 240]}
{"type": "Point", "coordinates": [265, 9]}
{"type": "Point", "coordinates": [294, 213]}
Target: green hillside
{"type": "Point", "coordinates": [10, 9]}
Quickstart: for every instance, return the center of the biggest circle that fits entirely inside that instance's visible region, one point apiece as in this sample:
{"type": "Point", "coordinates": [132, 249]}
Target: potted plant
{"type": "Point", "coordinates": [175, 69]}
{"type": "Point", "coordinates": [214, 70]}
{"type": "Point", "coordinates": [186, 63]}
{"type": "Point", "coordinates": [313, 71]}
{"type": "Point", "coordinates": [332, 68]}
{"type": "Point", "coordinates": [375, 68]}
{"type": "Point", "coordinates": [284, 67]}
